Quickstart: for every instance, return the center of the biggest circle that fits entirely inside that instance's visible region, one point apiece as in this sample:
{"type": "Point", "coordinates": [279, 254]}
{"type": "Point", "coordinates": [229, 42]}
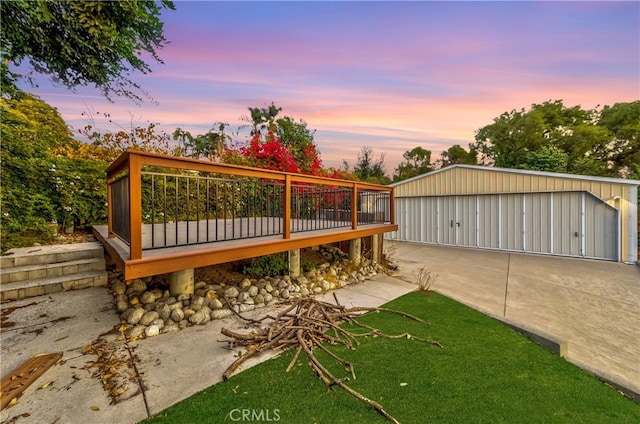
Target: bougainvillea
{"type": "Point", "coordinates": [269, 154]}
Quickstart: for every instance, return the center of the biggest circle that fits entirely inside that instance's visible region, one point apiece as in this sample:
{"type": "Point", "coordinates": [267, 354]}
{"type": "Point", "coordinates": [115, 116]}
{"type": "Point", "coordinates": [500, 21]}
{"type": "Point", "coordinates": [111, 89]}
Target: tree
{"type": "Point", "coordinates": [78, 43]}
{"type": "Point", "coordinates": [547, 128]}
{"type": "Point", "coordinates": [417, 162]}
{"type": "Point", "coordinates": [217, 139]}
{"type": "Point", "coordinates": [186, 143]}
{"type": "Point", "coordinates": [623, 122]}
{"type": "Point", "coordinates": [263, 119]}
{"type": "Point", "coordinates": [457, 154]}
{"type": "Point", "coordinates": [548, 159]}
{"type": "Point", "coordinates": [45, 178]}
{"type": "Point", "coordinates": [299, 140]}
{"type": "Point", "coordinates": [369, 169]}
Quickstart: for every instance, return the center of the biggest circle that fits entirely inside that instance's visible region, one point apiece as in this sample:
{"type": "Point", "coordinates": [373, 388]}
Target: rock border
{"type": "Point", "coordinates": [148, 313]}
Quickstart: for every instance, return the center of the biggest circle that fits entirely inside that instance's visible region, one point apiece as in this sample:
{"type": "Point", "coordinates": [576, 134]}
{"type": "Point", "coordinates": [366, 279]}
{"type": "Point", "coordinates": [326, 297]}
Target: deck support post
{"type": "Point", "coordinates": [294, 263]}
{"type": "Point", "coordinates": [376, 243]}
{"type": "Point", "coordinates": [181, 282]}
{"type": "Point", "coordinates": [355, 250]}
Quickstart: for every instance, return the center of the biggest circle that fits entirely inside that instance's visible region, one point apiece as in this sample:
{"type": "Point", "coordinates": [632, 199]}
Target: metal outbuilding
{"type": "Point", "coordinates": [520, 210]}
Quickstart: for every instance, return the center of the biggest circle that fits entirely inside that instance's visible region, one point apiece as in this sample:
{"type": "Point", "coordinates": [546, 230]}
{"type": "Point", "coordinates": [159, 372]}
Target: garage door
{"type": "Point", "coordinates": [559, 223]}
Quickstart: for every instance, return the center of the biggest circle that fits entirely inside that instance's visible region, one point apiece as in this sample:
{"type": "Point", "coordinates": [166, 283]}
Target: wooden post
{"type": "Point", "coordinates": [109, 209]}
{"type": "Point", "coordinates": [354, 207]}
{"type": "Point", "coordinates": [392, 212]}
{"type": "Point", "coordinates": [135, 206]}
{"type": "Point", "coordinates": [287, 207]}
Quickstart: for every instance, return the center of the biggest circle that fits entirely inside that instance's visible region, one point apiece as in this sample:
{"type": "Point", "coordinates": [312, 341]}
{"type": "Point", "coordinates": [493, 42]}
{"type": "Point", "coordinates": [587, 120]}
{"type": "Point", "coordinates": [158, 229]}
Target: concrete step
{"type": "Point", "coordinates": [34, 272]}
{"type": "Point", "coordinates": [41, 286]}
{"type": "Point", "coordinates": [42, 255]}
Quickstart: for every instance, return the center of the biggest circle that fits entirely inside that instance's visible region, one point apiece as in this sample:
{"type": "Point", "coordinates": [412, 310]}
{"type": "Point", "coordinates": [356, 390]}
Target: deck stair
{"type": "Point", "coordinates": [35, 271]}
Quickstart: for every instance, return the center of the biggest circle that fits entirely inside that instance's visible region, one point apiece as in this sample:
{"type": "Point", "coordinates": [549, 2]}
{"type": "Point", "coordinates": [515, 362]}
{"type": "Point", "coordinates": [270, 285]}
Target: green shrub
{"type": "Point", "coordinates": [267, 266]}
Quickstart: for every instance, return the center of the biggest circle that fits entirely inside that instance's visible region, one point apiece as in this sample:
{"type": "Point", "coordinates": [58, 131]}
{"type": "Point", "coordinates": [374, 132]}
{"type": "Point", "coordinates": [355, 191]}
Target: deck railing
{"type": "Point", "coordinates": [157, 201]}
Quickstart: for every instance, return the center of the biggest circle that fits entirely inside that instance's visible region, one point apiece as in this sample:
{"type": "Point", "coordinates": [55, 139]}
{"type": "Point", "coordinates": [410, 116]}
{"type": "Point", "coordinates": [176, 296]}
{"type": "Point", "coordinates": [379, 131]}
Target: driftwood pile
{"type": "Point", "coordinates": [307, 324]}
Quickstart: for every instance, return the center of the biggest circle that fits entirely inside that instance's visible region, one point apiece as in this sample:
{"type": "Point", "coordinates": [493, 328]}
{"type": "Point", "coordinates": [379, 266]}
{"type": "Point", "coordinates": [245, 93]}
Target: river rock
{"type": "Point", "coordinates": [134, 316]}
{"type": "Point", "coordinates": [243, 296]}
{"type": "Point", "coordinates": [198, 318]}
{"type": "Point", "coordinates": [157, 293]}
{"type": "Point", "coordinates": [122, 305]}
{"type": "Point", "coordinates": [231, 292]}
{"type": "Point", "coordinates": [164, 310]}
{"type": "Point", "coordinates": [147, 297]}
{"type": "Point", "coordinates": [177, 305]}
{"type": "Point", "coordinates": [148, 318]}
{"type": "Point", "coordinates": [135, 331]}
{"type": "Point", "coordinates": [119, 288]}
{"type": "Point", "coordinates": [158, 323]}
{"type": "Point", "coordinates": [170, 326]}
{"type": "Point", "coordinates": [215, 303]}
{"type": "Point", "coordinates": [197, 302]}
{"type": "Point", "coordinates": [137, 286]}
{"type": "Point", "coordinates": [151, 331]}
{"type": "Point", "coordinates": [177, 315]}
{"type": "Point", "coordinates": [220, 313]}
{"type": "Point", "coordinates": [210, 294]}
{"type": "Point", "coordinates": [245, 307]}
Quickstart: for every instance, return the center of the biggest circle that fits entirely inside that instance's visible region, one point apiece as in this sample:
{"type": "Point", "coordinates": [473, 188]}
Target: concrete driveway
{"type": "Point", "coordinates": [592, 305]}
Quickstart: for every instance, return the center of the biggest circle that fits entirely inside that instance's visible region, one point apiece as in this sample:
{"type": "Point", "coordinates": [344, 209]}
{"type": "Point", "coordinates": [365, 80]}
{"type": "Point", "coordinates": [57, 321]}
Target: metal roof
{"type": "Point", "coordinates": [525, 172]}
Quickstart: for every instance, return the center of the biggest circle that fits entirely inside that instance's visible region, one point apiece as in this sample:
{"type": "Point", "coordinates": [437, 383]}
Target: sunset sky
{"type": "Point", "coordinates": [390, 75]}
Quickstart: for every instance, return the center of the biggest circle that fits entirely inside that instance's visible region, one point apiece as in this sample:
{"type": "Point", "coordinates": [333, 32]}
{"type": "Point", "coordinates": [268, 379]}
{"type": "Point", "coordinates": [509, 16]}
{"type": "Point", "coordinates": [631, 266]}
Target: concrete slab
{"type": "Point", "coordinates": [592, 305]}
{"type": "Point", "coordinates": [173, 366]}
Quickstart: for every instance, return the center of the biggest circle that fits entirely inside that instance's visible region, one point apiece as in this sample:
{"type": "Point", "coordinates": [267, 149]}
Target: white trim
{"type": "Point", "coordinates": [499, 221]}
{"type": "Point", "coordinates": [477, 220]}
{"type": "Point", "coordinates": [633, 226]}
{"type": "Point", "coordinates": [583, 224]}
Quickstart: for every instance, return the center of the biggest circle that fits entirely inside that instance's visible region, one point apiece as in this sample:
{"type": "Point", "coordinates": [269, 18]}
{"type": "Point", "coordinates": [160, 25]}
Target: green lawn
{"type": "Point", "coordinates": [486, 372]}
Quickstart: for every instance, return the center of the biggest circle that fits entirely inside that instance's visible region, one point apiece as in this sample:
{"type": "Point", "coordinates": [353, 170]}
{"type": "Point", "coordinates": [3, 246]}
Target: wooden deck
{"type": "Point", "coordinates": [207, 213]}
{"type": "Point", "coordinates": [169, 259]}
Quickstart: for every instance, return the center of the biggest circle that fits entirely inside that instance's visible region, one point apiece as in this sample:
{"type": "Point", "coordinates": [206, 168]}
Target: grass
{"type": "Point", "coordinates": [486, 372]}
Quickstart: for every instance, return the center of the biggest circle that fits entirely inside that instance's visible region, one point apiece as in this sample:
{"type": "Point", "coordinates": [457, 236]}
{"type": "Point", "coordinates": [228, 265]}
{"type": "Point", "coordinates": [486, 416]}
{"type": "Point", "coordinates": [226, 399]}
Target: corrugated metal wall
{"type": "Point", "coordinates": [559, 223]}
{"type": "Point", "coordinates": [608, 196]}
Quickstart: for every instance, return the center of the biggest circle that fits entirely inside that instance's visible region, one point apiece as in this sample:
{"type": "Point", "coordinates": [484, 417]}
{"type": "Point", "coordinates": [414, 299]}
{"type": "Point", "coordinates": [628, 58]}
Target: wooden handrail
{"type": "Point", "coordinates": [133, 161]}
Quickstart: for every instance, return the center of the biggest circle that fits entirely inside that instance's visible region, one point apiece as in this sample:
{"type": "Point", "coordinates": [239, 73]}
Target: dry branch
{"type": "Point", "coordinates": [304, 325]}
